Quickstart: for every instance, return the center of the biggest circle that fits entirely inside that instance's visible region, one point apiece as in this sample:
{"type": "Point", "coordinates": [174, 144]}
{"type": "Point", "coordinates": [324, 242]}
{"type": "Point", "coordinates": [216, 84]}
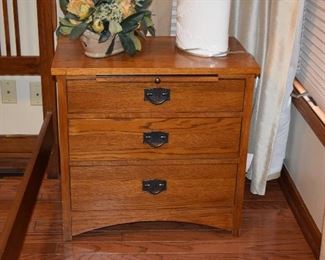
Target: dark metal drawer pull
{"type": "Point", "coordinates": [155, 139]}
{"type": "Point", "coordinates": [154, 186]}
{"type": "Point", "coordinates": [157, 96]}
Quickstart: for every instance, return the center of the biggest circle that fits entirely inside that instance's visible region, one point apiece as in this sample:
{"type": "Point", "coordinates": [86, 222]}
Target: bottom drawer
{"type": "Point", "coordinates": [122, 187]}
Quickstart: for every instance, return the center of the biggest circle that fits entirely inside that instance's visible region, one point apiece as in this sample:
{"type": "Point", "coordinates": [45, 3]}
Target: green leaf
{"type": "Point", "coordinates": [115, 27]}
{"type": "Point", "coordinates": [127, 44]}
{"type": "Point", "coordinates": [104, 36]}
{"type": "Point", "coordinates": [65, 30]}
{"type": "Point", "coordinates": [66, 22]}
{"type": "Point", "coordinates": [63, 5]}
{"type": "Point", "coordinates": [106, 25]}
{"type": "Point", "coordinates": [132, 22]}
{"type": "Point", "coordinates": [141, 34]}
{"type": "Point", "coordinates": [78, 30]}
{"type": "Point", "coordinates": [144, 28]}
{"type": "Point", "coordinates": [111, 47]}
{"type": "Point", "coordinates": [143, 4]}
{"type": "Point", "coordinates": [152, 31]}
{"type": "Point", "coordinates": [91, 11]}
{"type": "Point", "coordinates": [136, 41]}
{"type": "Point", "coordinates": [148, 21]}
{"type": "Point", "coordinates": [71, 16]}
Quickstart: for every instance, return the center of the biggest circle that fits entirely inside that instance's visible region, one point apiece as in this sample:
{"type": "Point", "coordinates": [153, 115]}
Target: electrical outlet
{"type": "Point", "coordinates": [8, 91]}
{"type": "Point", "coordinates": [35, 93]}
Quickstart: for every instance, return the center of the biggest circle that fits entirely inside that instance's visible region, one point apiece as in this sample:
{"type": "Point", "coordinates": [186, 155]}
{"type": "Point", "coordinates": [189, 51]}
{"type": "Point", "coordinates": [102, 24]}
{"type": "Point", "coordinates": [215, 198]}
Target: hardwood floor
{"type": "Point", "coordinates": [269, 231]}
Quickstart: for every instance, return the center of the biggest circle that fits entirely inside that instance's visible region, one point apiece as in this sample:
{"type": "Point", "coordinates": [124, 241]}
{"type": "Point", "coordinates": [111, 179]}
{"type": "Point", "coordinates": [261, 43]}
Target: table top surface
{"type": "Point", "coordinates": [159, 55]}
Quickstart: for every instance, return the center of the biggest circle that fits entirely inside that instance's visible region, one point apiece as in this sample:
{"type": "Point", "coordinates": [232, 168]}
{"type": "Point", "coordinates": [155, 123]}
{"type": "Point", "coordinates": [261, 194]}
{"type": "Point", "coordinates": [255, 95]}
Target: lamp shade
{"type": "Point", "coordinates": [203, 26]}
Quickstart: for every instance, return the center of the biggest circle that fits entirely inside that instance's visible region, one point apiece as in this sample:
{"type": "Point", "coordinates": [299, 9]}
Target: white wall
{"type": "Point", "coordinates": [21, 118]}
{"type": "Point", "coordinates": [305, 161]}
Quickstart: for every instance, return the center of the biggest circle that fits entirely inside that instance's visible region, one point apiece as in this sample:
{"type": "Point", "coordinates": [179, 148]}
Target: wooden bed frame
{"type": "Point", "coordinates": [13, 235]}
{"type": "Point", "coordinates": [16, 150]}
{"type": "Point", "coordinates": [39, 153]}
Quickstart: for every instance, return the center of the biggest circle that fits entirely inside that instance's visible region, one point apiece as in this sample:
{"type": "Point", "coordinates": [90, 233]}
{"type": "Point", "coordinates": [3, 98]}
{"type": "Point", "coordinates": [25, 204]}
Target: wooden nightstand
{"type": "Point", "coordinates": [161, 136]}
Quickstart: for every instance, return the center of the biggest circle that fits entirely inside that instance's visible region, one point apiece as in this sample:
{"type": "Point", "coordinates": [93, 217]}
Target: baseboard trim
{"type": "Point", "coordinates": [307, 225]}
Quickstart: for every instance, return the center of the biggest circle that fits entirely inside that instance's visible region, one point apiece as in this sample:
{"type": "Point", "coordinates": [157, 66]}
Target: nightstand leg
{"type": "Point", "coordinates": [67, 236]}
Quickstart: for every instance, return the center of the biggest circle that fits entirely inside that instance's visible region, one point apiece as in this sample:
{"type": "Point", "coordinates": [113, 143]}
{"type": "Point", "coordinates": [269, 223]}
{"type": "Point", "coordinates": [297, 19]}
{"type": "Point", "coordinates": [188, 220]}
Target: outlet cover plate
{"type": "Point", "coordinates": [8, 91]}
{"type": "Point", "coordinates": [35, 93]}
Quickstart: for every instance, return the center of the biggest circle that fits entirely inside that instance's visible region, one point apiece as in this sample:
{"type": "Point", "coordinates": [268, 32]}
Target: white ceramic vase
{"type": "Point", "coordinates": [94, 49]}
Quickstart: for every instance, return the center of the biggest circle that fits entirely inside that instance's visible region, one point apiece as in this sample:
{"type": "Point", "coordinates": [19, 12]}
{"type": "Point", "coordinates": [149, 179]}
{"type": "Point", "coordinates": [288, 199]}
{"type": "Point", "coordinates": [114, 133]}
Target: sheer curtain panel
{"type": "Point", "coordinates": [270, 30]}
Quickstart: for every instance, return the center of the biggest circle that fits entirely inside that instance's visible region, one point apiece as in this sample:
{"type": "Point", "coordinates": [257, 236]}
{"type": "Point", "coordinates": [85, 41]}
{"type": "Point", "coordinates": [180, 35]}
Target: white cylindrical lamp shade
{"type": "Point", "coordinates": [203, 26]}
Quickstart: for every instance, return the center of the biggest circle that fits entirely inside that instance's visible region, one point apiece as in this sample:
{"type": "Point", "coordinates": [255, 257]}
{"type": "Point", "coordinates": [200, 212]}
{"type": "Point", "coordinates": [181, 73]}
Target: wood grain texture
{"type": "Point", "coordinates": [248, 106]}
{"type": "Point", "coordinates": [23, 144]}
{"type": "Point", "coordinates": [46, 12]}
{"type": "Point", "coordinates": [64, 157]}
{"type": "Point", "coordinates": [159, 57]}
{"type": "Point", "coordinates": [6, 26]}
{"type": "Point", "coordinates": [305, 220]}
{"type": "Point", "coordinates": [269, 231]}
{"type": "Point", "coordinates": [17, 29]}
{"type": "Point", "coordinates": [109, 188]}
{"type": "Point", "coordinates": [15, 151]}
{"type": "Point", "coordinates": [104, 196]}
{"type": "Point", "coordinates": [21, 210]}
{"type": "Point", "coordinates": [26, 65]}
{"type": "Point", "coordinates": [118, 139]}
{"type": "Point", "coordinates": [193, 96]}
{"type": "Point", "coordinates": [158, 163]}
{"type": "Point", "coordinates": [105, 115]}
{"type": "Point", "coordinates": [219, 217]}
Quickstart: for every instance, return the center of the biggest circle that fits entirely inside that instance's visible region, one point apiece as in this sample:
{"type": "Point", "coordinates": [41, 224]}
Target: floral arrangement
{"type": "Point", "coordinates": [129, 19]}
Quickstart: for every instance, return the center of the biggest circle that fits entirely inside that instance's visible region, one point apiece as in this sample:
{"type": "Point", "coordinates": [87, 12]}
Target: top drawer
{"type": "Point", "coordinates": [155, 95]}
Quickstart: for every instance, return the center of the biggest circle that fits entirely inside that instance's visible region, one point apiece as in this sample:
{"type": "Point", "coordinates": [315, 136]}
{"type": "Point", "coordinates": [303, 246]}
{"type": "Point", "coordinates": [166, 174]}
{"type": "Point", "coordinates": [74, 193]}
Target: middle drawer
{"type": "Point", "coordinates": [153, 138]}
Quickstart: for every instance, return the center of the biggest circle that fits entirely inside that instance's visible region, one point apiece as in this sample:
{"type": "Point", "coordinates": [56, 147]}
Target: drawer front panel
{"type": "Point", "coordinates": [86, 96]}
{"type": "Point", "coordinates": [123, 139]}
{"type": "Point", "coordinates": [121, 187]}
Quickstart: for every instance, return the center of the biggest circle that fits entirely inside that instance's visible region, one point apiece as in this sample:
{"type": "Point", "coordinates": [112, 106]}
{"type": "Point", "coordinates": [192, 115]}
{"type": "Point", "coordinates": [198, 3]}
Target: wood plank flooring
{"type": "Point", "coordinates": [269, 231]}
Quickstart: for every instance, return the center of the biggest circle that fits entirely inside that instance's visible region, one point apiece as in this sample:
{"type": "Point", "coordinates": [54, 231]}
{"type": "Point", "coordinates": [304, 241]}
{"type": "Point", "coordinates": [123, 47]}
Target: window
{"type": "Point", "coordinates": [311, 68]}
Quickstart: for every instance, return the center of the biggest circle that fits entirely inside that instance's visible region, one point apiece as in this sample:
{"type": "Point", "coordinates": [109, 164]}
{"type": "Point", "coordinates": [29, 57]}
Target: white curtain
{"type": "Point", "coordinates": [269, 29]}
